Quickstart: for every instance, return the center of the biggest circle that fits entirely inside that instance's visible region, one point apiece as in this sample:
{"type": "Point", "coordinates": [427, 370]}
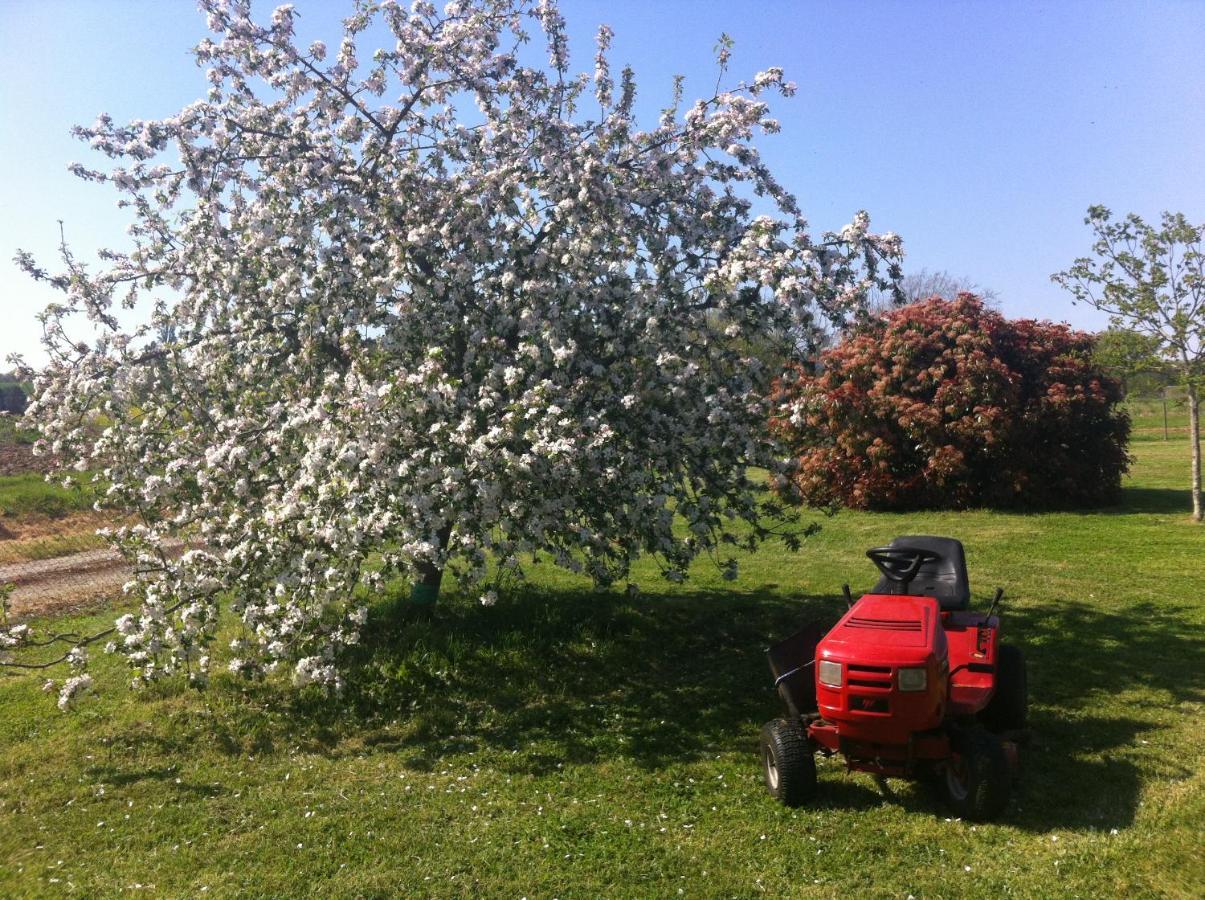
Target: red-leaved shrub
{"type": "Point", "coordinates": [947, 404]}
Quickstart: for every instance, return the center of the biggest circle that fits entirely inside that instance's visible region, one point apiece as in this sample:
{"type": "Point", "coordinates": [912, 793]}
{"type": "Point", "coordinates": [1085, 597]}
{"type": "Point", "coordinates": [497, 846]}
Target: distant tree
{"type": "Point", "coordinates": [12, 397]}
{"type": "Point", "coordinates": [947, 404]}
{"type": "Point", "coordinates": [1152, 280]}
{"type": "Point", "coordinates": [923, 284]}
{"type": "Point", "coordinates": [1129, 354]}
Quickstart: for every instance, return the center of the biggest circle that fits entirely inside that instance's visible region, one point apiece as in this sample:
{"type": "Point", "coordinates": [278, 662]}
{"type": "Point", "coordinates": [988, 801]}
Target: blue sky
{"type": "Point", "coordinates": [980, 132]}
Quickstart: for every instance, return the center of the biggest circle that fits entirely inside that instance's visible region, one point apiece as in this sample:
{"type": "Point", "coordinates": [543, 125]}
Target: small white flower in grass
{"type": "Point", "coordinates": [313, 670]}
{"type": "Point", "coordinates": [489, 598]}
{"type": "Point", "coordinates": [73, 689]}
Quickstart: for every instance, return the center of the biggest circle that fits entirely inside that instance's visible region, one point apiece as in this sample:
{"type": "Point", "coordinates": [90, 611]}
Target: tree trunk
{"type": "Point", "coordinates": [425, 590]}
{"type": "Point", "coordinates": [1194, 436]}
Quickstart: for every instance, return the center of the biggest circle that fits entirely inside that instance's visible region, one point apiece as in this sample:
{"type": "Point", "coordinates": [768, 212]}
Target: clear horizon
{"type": "Point", "coordinates": [980, 133]}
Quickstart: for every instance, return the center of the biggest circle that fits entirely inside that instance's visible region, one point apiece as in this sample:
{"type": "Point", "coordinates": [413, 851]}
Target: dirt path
{"type": "Point", "coordinates": [65, 583]}
{"type": "Point", "coordinates": [43, 537]}
{"type": "Point", "coordinates": [18, 459]}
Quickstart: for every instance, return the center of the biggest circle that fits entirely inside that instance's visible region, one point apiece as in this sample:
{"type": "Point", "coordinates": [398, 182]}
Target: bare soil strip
{"type": "Point", "coordinates": [58, 585]}
{"type": "Point", "coordinates": [40, 537]}
{"type": "Point", "coordinates": [18, 459]}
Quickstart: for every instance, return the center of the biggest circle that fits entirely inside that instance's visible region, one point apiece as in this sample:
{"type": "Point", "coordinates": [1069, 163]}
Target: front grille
{"type": "Point", "coordinates": [862, 703]}
{"type": "Point", "coordinates": [878, 677]}
{"type": "Point", "coordinates": [866, 682]}
{"type": "Point", "coordinates": [884, 624]}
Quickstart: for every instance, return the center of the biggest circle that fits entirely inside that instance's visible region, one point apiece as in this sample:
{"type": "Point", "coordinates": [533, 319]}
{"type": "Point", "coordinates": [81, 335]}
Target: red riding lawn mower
{"type": "Point", "coordinates": [910, 683]}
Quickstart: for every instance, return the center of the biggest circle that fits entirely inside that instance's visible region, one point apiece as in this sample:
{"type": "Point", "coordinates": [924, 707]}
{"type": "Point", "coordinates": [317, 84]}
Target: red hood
{"type": "Point", "coordinates": [885, 623]}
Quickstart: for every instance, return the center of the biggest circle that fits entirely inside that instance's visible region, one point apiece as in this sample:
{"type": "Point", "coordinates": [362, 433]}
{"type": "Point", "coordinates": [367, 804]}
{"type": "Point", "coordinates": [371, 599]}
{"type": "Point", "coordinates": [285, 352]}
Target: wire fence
{"type": "Point", "coordinates": [1160, 414]}
{"type": "Point", "coordinates": [50, 554]}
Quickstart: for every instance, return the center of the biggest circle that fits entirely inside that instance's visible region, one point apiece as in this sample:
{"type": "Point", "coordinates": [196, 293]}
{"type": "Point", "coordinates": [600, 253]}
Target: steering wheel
{"type": "Point", "coordinates": [900, 564]}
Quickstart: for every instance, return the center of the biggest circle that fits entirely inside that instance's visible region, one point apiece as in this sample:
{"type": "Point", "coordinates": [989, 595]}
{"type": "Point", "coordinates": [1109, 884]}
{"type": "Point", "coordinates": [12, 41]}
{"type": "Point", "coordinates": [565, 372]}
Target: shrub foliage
{"type": "Point", "coordinates": [947, 404]}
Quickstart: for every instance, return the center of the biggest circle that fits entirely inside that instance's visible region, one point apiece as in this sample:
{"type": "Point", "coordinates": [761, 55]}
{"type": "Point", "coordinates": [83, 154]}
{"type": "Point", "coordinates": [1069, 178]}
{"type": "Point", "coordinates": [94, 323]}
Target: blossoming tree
{"type": "Point", "coordinates": [1152, 280]}
{"type": "Point", "coordinates": [439, 308]}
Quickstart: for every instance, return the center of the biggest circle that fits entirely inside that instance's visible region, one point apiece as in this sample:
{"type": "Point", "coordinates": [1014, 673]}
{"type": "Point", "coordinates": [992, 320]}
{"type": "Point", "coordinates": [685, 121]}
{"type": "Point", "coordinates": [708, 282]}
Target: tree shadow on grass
{"type": "Point", "coordinates": [117, 774]}
{"type": "Point", "coordinates": [1156, 501]}
{"type": "Point", "coordinates": [576, 677]}
{"type": "Point", "coordinates": [1092, 675]}
{"type": "Point", "coordinates": [1077, 651]}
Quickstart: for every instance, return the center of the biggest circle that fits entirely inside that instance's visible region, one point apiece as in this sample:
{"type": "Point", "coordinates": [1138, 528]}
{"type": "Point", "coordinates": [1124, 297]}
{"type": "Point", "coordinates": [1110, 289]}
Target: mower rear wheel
{"type": "Point", "coordinates": [976, 780]}
{"type": "Point", "coordinates": [788, 765]}
{"type": "Point", "coordinates": [1009, 706]}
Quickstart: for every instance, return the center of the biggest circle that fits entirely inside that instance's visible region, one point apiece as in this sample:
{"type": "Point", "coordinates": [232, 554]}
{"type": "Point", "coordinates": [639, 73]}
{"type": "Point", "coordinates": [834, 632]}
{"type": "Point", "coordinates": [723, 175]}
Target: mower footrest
{"type": "Point", "coordinates": [967, 699]}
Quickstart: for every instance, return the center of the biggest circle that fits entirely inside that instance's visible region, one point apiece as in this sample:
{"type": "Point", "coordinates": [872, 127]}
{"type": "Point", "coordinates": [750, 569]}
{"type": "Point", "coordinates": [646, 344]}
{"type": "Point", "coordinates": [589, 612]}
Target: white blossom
{"type": "Point", "coordinates": [424, 307]}
{"type": "Point", "coordinates": [72, 689]}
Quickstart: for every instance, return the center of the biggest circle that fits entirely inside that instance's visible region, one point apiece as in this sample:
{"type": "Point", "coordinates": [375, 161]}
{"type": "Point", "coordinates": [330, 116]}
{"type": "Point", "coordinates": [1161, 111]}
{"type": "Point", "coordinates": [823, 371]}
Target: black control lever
{"type": "Point", "coordinates": [995, 601]}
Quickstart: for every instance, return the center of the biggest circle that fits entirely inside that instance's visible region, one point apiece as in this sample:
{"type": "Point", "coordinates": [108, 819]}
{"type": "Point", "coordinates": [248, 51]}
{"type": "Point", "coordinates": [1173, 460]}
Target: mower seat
{"type": "Point", "coordinates": [944, 578]}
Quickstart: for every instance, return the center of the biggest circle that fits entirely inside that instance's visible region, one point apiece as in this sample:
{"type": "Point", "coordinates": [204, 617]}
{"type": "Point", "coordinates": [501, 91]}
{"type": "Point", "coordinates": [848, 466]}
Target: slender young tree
{"type": "Point", "coordinates": [422, 309]}
{"type": "Point", "coordinates": [1152, 280]}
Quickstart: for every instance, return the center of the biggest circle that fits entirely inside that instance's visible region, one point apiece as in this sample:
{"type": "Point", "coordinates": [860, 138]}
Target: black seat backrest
{"type": "Point", "coordinates": [944, 578]}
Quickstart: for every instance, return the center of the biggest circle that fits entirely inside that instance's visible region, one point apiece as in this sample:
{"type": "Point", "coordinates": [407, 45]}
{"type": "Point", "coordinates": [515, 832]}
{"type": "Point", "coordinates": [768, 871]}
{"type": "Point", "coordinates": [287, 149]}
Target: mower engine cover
{"type": "Point", "coordinates": [881, 672]}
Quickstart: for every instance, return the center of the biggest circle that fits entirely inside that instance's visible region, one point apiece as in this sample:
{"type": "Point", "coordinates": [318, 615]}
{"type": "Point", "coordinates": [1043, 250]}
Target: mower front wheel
{"type": "Point", "coordinates": [977, 780]}
{"type": "Point", "coordinates": [788, 766]}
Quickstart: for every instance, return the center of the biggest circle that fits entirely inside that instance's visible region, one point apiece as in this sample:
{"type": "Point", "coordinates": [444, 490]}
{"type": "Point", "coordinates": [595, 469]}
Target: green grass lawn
{"type": "Point", "coordinates": [570, 743]}
{"type": "Point", "coordinates": [42, 521]}
{"type": "Point", "coordinates": [23, 496]}
{"type": "Point", "coordinates": [12, 433]}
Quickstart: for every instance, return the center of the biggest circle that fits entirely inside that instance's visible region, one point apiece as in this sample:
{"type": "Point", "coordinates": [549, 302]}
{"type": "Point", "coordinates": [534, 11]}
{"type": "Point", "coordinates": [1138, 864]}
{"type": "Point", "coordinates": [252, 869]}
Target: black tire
{"type": "Point", "coordinates": [976, 781]}
{"type": "Point", "coordinates": [1009, 707]}
{"type": "Point", "coordinates": [788, 766]}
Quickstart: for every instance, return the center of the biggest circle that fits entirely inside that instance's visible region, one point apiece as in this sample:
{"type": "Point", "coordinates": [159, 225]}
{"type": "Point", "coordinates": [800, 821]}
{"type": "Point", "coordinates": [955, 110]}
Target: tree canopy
{"type": "Point", "coordinates": [1136, 359]}
{"type": "Point", "coordinates": [430, 306]}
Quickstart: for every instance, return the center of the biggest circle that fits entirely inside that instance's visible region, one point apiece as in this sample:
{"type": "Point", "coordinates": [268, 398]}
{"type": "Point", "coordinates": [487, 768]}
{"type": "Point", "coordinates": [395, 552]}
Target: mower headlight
{"type": "Point", "coordinates": [913, 679]}
{"type": "Point", "coordinates": [829, 673]}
